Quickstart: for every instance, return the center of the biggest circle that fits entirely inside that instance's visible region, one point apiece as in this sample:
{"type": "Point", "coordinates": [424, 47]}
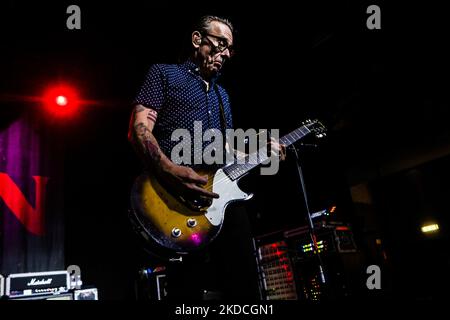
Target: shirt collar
{"type": "Point", "coordinates": [191, 67]}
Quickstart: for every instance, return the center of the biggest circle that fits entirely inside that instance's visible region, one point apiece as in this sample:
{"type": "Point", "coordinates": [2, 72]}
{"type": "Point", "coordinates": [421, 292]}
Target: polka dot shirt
{"type": "Point", "coordinates": [179, 95]}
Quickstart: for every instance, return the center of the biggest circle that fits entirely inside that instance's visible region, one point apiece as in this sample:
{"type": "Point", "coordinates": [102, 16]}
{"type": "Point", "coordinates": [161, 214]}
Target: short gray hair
{"type": "Point", "coordinates": [204, 23]}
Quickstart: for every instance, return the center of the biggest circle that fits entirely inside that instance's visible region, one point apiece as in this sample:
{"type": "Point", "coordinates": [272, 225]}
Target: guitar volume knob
{"type": "Point", "coordinates": [191, 222]}
{"type": "Point", "coordinates": [176, 232]}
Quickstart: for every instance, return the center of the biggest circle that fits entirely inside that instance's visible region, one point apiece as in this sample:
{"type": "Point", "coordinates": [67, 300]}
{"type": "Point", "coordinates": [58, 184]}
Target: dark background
{"type": "Point", "coordinates": [381, 93]}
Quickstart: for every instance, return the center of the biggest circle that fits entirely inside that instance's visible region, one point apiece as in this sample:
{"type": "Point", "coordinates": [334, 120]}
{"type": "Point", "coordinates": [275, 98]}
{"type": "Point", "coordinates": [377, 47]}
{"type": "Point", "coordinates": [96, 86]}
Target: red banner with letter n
{"type": "Point", "coordinates": [31, 201]}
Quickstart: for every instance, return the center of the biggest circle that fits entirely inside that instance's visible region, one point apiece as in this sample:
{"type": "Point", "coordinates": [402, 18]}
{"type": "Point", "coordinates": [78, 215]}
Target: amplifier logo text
{"type": "Point", "coordinates": [34, 282]}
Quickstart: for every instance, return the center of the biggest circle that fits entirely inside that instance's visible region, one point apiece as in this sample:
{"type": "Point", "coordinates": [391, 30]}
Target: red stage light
{"type": "Point", "coordinates": [61, 100]}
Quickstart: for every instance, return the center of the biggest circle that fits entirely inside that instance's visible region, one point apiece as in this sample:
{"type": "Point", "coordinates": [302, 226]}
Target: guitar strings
{"type": "Point", "coordinates": [239, 156]}
{"type": "Point", "coordinates": [216, 183]}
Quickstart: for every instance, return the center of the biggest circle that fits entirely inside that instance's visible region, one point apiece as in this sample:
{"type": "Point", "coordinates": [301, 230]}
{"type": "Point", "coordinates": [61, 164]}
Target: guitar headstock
{"type": "Point", "coordinates": [316, 127]}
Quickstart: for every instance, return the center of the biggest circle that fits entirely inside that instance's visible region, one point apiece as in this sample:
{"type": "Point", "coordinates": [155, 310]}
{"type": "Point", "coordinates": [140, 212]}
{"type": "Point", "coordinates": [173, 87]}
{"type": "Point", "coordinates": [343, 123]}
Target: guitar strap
{"type": "Point", "coordinates": [223, 120]}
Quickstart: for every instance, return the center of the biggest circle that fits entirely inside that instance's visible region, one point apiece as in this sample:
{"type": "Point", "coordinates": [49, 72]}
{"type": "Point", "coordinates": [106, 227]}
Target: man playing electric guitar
{"type": "Point", "coordinates": [173, 97]}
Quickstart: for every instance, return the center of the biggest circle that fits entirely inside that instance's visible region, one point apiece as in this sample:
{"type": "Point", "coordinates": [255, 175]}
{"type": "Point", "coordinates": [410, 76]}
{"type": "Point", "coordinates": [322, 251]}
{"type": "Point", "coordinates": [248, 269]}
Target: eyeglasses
{"type": "Point", "coordinates": [222, 44]}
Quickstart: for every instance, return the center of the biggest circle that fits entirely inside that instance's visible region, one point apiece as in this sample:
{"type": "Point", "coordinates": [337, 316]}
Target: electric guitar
{"type": "Point", "coordinates": [181, 225]}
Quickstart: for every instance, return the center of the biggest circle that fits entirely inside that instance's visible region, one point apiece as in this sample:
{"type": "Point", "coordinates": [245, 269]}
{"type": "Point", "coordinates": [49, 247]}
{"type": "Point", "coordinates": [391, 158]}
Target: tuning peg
{"type": "Point", "coordinates": [321, 135]}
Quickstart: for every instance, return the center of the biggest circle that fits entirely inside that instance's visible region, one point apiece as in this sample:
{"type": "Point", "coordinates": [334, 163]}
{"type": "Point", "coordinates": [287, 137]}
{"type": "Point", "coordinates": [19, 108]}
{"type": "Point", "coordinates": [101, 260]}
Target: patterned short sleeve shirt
{"type": "Point", "coordinates": [181, 97]}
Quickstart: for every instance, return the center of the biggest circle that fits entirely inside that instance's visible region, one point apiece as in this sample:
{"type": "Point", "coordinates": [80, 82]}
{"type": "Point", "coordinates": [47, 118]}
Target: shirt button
{"type": "Point", "coordinates": [209, 112]}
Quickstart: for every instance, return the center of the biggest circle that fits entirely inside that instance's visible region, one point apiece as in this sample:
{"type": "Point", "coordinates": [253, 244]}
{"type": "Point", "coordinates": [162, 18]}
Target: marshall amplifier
{"type": "Point", "coordinates": [2, 286]}
{"type": "Point", "coordinates": [38, 283]}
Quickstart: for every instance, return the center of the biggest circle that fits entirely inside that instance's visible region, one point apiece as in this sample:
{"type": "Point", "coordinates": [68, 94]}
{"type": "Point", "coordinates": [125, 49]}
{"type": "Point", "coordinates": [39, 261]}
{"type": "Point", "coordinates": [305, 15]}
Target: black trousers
{"type": "Point", "coordinates": [226, 270]}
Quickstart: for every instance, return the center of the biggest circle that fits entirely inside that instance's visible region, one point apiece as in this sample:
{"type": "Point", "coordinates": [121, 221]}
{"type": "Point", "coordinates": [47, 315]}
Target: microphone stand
{"type": "Point", "coordinates": [311, 227]}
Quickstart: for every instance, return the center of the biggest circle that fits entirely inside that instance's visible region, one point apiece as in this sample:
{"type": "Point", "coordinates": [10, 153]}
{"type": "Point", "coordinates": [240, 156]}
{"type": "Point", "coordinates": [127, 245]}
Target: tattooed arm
{"type": "Point", "coordinates": [183, 180]}
{"type": "Point", "coordinates": [140, 135]}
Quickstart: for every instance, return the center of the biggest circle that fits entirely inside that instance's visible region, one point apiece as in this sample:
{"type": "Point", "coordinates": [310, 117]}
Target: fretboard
{"type": "Point", "coordinates": [243, 166]}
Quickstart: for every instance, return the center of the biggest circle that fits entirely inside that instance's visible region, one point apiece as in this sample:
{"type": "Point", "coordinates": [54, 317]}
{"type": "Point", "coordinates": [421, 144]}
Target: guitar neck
{"type": "Point", "coordinates": [244, 165]}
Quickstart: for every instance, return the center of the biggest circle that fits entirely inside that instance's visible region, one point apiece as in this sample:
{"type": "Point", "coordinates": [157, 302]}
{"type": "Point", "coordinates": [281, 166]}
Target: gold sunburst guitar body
{"type": "Point", "coordinates": [181, 225]}
{"type": "Point", "coordinates": [178, 224]}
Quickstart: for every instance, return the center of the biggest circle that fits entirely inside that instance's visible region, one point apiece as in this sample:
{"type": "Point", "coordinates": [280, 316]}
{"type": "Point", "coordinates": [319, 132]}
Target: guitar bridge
{"type": "Point", "coordinates": [201, 204]}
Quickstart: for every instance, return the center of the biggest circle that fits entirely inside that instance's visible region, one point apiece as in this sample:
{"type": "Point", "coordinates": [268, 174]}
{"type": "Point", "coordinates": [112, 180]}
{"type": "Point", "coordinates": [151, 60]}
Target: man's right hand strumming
{"type": "Point", "coordinates": [184, 180]}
